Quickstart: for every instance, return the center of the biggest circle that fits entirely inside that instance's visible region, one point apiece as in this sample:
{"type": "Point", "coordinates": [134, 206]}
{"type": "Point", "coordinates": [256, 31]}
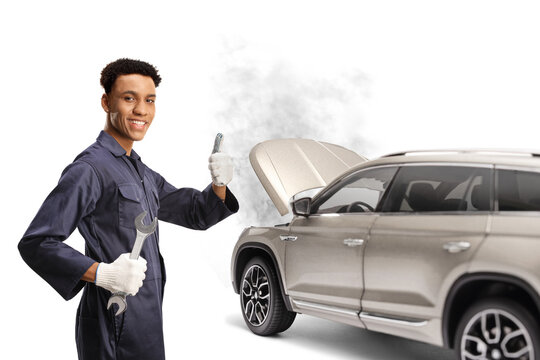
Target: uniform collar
{"type": "Point", "coordinates": [113, 146]}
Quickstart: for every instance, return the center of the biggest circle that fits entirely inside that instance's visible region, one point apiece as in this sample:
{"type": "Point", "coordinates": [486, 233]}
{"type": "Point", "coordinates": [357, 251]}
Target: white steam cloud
{"type": "Point", "coordinates": [262, 101]}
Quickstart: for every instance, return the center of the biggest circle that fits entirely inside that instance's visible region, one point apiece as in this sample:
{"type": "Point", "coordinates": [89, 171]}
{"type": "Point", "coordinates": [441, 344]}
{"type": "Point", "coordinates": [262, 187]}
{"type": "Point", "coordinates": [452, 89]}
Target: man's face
{"type": "Point", "coordinates": [131, 106]}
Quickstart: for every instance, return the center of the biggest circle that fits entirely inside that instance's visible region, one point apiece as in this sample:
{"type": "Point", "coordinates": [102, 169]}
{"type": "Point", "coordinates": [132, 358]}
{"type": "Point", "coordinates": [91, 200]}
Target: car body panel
{"type": "Point", "coordinates": [268, 236]}
{"type": "Point", "coordinates": [406, 268]}
{"type": "Point", "coordinates": [328, 312]}
{"type": "Point", "coordinates": [511, 247]}
{"type": "Point", "coordinates": [320, 267]}
{"type": "Point", "coordinates": [286, 167]}
{"type": "Point", "coordinates": [405, 262]}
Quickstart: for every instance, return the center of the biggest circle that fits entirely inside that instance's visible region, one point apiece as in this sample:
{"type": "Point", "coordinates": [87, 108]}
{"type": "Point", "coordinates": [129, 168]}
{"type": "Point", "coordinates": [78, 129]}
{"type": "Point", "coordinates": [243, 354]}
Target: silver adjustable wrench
{"type": "Point", "coordinates": [119, 298]}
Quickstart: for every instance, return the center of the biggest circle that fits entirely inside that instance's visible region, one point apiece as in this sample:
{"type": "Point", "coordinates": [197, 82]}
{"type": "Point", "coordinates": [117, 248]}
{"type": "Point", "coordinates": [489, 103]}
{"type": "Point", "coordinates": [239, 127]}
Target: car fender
{"type": "Point", "coordinates": [267, 241]}
{"type": "Point", "coordinates": [494, 262]}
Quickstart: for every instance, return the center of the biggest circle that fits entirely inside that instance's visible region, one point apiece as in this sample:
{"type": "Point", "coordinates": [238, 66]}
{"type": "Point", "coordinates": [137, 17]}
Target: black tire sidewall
{"type": "Point", "coordinates": [508, 305]}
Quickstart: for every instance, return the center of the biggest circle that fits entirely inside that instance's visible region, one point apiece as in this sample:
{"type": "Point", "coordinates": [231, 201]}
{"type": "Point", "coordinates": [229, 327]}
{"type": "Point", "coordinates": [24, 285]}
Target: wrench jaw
{"type": "Point", "coordinates": [145, 229]}
{"type": "Point", "coordinates": [118, 300]}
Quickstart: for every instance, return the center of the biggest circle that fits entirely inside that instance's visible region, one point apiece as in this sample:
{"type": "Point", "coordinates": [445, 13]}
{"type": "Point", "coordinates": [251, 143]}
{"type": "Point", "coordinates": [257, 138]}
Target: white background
{"type": "Point", "coordinates": [377, 76]}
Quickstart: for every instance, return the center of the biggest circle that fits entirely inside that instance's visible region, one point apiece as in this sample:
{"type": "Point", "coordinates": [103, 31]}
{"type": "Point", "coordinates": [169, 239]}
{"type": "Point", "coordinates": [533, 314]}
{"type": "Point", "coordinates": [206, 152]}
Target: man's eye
{"type": "Point", "coordinates": [129, 98]}
{"type": "Point", "coordinates": [151, 101]}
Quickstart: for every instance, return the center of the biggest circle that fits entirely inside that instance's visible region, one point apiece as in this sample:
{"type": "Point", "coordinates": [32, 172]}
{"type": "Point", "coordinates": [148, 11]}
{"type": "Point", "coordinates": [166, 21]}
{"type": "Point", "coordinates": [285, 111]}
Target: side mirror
{"type": "Point", "coordinates": [302, 206]}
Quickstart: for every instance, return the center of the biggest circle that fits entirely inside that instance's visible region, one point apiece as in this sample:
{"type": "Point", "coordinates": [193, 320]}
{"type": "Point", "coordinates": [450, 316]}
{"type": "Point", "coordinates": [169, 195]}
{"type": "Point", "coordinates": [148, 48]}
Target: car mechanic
{"type": "Point", "coordinates": [101, 193]}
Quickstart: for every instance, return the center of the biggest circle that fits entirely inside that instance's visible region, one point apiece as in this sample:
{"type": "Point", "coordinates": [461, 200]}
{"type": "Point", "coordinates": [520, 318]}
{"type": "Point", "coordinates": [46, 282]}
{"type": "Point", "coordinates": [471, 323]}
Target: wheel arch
{"type": "Point", "coordinates": [248, 251]}
{"type": "Point", "coordinates": [470, 288]}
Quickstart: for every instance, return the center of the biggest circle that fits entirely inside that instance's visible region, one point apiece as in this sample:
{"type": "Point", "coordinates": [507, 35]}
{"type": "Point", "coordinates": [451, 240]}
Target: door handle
{"type": "Point", "coordinates": [353, 242]}
{"type": "Point", "coordinates": [456, 246]}
{"type": "Point", "coordinates": [288, 237]}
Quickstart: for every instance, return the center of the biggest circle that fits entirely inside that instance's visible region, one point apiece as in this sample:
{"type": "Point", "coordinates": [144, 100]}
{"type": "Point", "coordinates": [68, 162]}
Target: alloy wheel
{"type": "Point", "coordinates": [255, 295]}
{"type": "Point", "coordinates": [494, 334]}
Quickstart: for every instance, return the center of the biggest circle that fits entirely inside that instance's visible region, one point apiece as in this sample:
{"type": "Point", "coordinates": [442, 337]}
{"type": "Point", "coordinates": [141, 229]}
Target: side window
{"type": "Point", "coordinates": [518, 190]}
{"type": "Point", "coordinates": [360, 192]}
{"type": "Point", "coordinates": [439, 188]}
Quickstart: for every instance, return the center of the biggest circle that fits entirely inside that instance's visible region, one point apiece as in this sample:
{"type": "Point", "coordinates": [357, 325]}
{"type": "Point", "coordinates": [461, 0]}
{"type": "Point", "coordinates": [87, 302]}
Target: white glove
{"type": "Point", "coordinates": [221, 168]}
{"type": "Point", "coordinates": [124, 274]}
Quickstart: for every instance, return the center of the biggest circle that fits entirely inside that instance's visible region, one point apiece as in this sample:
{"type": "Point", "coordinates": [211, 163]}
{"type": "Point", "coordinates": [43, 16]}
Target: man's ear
{"type": "Point", "coordinates": [105, 103]}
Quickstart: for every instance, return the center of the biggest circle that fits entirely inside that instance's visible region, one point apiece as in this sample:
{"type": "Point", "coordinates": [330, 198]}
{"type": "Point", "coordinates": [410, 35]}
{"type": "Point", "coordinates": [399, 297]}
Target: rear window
{"type": "Point", "coordinates": [518, 190]}
{"type": "Point", "coordinates": [430, 188]}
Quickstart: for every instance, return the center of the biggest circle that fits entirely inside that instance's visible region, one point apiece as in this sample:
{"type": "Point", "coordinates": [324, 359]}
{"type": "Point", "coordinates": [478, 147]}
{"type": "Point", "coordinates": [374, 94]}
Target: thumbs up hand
{"type": "Point", "coordinates": [220, 164]}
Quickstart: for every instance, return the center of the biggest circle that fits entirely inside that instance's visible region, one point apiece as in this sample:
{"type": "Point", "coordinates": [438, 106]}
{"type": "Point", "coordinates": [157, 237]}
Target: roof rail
{"type": "Point", "coordinates": [469, 151]}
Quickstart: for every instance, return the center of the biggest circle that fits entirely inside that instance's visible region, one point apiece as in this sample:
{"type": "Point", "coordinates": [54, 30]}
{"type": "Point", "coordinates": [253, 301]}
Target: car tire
{"type": "Point", "coordinates": [261, 300]}
{"type": "Point", "coordinates": [287, 321]}
{"type": "Point", "coordinates": [497, 328]}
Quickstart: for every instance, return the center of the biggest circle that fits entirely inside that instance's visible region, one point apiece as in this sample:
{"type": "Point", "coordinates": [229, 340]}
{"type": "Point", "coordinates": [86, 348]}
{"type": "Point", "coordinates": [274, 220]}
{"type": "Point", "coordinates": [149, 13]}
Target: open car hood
{"type": "Point", "coordinates": [286, 167]}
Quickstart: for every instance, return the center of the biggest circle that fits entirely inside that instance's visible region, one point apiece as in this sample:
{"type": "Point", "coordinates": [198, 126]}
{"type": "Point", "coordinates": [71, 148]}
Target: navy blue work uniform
{"type": "Point", "coordinates": [101, 193]}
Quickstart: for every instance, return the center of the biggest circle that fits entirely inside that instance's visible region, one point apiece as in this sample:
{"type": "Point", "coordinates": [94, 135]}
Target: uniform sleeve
{"type": "Point", "coordinates": [42, 246]}
{"type": "Point", "coordinates": [192, 208]}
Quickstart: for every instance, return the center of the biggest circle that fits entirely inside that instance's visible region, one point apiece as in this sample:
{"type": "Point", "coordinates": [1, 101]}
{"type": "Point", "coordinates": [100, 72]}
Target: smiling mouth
{"type": "Point", "coordinates": [137, 122]}
{"type": "Point", "coordinates": [137, 125]}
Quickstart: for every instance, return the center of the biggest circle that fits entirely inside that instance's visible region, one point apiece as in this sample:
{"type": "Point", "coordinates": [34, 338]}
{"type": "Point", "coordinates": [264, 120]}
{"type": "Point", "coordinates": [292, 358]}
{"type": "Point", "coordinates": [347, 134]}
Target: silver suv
{"type": "Point", "coordinates": [441, 247]}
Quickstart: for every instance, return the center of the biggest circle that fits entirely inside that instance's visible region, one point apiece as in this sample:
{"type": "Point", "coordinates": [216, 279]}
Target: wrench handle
{"type": "Point", "coordinates": [217, 143]}
{"type": "Point", "coordinates": [137, 247]}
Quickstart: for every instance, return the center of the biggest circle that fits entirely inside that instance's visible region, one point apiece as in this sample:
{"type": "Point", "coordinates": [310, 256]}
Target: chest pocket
{"type": "Point", "coordinates": [129, 204]}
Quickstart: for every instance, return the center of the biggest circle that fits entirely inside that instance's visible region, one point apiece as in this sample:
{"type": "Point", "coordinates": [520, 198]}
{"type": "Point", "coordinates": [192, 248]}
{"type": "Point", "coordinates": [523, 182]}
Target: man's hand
{"type": "Point", "coordinates": [221, 168]}
{"type": "Point", "coordinates": [124, 274]}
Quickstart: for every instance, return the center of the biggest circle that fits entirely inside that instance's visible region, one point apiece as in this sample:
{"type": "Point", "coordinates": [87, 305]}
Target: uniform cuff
{"type": "Point", "coordinates": [105, 276]}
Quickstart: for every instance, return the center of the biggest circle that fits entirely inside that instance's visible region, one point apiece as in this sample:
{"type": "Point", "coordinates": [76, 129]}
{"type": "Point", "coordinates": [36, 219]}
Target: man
{"type": "Point", "coordinates": [101, 193]}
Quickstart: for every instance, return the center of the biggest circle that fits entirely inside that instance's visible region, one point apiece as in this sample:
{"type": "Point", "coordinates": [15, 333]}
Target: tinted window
{"type": "Point", "coordinates": [439, 188]}
{"type": "Point", "coordinates": [360, 192]}
{"type": "Point", "coordinates": [518, 190]}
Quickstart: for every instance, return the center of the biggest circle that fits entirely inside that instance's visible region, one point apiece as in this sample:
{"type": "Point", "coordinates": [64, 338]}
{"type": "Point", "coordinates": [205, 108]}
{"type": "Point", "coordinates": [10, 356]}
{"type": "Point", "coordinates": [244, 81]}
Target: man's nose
{"type": "Point", "coordinates": [140, 108]}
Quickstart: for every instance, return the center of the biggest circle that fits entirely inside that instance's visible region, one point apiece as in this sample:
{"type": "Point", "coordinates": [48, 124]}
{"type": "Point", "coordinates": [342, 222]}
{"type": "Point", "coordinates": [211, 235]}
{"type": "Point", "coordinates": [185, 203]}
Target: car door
{"type": "Point", "coordinates": [324, 253]}
{"type": "Point", "coordinates": [432, 221]}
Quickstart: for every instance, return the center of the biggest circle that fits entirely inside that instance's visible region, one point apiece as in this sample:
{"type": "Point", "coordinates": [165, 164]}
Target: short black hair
{"type": "Point", "coordinates": [125, 66]}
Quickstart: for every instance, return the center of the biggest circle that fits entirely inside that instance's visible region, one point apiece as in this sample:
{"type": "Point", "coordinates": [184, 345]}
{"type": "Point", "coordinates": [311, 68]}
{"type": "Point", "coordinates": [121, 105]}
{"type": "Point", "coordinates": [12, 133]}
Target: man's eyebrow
{"type": "Point", "coordinates": [131, 92]}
